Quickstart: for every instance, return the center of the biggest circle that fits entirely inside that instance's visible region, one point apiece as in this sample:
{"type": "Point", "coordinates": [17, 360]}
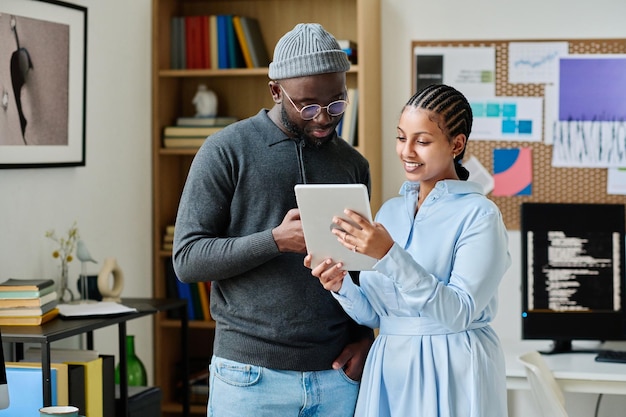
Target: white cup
{"type": "Point", "coordinates": [59, 411]}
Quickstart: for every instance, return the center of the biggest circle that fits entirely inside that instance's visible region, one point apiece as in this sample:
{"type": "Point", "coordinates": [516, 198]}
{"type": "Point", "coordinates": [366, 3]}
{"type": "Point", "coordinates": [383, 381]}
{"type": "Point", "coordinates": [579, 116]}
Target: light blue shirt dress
{"type": "Point", "coordinates": [432, 297]}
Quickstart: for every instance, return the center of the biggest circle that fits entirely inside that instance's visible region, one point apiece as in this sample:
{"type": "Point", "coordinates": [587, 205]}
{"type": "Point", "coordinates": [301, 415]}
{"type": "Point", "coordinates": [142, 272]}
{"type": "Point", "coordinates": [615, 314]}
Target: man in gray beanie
{"type": "Point", "coordinates": [283, 346]}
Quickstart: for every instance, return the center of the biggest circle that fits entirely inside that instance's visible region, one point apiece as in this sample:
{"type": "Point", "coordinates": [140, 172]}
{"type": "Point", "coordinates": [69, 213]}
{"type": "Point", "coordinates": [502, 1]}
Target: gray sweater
{"type": "Point", "coordinates": [269, 310]}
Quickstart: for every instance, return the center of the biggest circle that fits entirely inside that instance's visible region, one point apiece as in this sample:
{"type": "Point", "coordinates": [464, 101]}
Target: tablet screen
{"type": "Point", "coordinates": [318, 203]}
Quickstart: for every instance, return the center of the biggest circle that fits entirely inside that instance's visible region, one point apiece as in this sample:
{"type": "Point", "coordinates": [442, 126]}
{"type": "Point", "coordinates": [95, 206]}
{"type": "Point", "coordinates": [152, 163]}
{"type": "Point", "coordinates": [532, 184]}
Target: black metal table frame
{"type": "Point", "coordinates": [63, 328]}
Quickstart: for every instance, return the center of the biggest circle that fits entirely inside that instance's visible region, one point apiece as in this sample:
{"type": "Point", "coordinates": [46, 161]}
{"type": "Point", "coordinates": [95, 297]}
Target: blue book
{"type": "Point", "coordinates": [222, 41]}
{"type": "Point", "coordinates": [235, 55]}
{"type": "Point", "coordinates": [26, 391]}
{"type": "Point", "coordinates": [184, 291]}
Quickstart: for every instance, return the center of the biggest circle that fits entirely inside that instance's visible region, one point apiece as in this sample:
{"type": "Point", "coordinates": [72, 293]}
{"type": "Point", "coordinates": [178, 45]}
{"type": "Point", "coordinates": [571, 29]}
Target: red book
{"type": "Point", "coordinates": [193, 41]}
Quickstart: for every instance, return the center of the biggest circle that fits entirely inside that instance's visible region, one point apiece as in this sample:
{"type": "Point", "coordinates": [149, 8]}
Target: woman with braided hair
{"type": "Point", "coordinates": [442, 250]}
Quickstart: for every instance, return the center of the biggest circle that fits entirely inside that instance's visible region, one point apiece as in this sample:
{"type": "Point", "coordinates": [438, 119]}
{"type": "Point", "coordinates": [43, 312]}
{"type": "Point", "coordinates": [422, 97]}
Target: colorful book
{"type": "Point", "coordinates": [33, 354]}
{"type": "Point", "coordinates": [195, 301]}
{"type": "Point", "coordinates": [207, 288]}
{"type": "Point", "coordinates": [27, 294]}
{"type": "Point", "coordinates": [235, 57]}
{"type": "Point", "coordinates": [213, 41]}
{"type": "Point", "coordinates": [222, 42]}
{"type": "Point", "coordinates": [350, 48]}
{"type": "Point", "coordinates": [182, 49]}
{"type": "Point", "coordinates": [108, 385]}
{"type": "Point", "coordinates": [184, 292]}
{"type": "Point", "coordinates": [182, 289]}
{"type": "Point", "coordinates": [76, 387]}
{"type": "Point", "coordinates": [29, 320]}
{"type": "Point", "coordinates": [193, 42]}
{"type": "Point", "coordinates": [175, 43]}
{"type": "Point", "coordinates": [27, 302]}
{"type": "Point", "coordinates": [93, 386]}
{"type": "Point", "coordinates": [62, 382]}
{"type": "Point", "coordinates": [349, 123]}
{"type": "Point", "coordinates": [254, 39]}
{"type": "Point", "coordinates": [188, 143]}
{"type": "Point", "coordinates": [28, 311]}
{"type": "Point", "coordinates": [243, 44]}
{"type": "Point", "coordinates": [205, 121]}
{"type": "Point", "coordinates": [205, 55]}
{"type": "Point", "coordinates": [13, 284]}
{"type": "Point", "coordinates": [204, 301]}
{"type": "Point", "coordinates": [190, 131]}
{"type": "Point", "coordinates": [171, 289]}
{"type": "Point", "coordinates": [26, 402]}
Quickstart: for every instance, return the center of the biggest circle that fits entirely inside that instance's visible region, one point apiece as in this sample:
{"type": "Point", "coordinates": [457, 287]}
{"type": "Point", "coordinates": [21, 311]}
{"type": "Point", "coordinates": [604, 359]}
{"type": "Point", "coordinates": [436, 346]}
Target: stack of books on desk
{"type": "Point", "coordinates": [27, 302]}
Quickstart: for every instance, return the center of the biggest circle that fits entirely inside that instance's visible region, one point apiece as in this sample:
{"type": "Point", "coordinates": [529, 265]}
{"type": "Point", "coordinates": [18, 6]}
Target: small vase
{"type": "Point", "coordinates": [134, 367]}
{"type": "Point", "coordinates": [64, 294]}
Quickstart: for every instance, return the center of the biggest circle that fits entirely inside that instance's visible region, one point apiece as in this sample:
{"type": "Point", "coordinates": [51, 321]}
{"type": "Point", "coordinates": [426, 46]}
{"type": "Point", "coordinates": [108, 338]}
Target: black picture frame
{"type": "Point", "coordinates": [43, 84]}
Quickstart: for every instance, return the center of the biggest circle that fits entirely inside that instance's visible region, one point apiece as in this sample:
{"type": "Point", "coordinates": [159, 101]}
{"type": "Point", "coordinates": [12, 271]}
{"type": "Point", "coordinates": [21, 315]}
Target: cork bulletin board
{"type": "Point", "coordinates": [549, 184]}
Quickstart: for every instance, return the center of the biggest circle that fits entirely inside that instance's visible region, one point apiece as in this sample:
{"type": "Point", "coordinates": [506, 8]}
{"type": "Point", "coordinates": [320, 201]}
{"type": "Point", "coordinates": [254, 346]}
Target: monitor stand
{"type": "Point", "coordinates": [565, 346]}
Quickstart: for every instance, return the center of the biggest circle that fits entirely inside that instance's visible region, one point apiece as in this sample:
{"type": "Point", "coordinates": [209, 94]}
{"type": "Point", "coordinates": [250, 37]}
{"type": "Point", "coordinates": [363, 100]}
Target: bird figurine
{"type": "Point", "coordinates": [83, 255]}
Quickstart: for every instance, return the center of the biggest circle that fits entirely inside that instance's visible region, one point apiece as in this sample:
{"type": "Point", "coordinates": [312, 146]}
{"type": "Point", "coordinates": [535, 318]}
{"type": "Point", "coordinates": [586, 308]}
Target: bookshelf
{"type": "Point", "coordinates": [241, 92]}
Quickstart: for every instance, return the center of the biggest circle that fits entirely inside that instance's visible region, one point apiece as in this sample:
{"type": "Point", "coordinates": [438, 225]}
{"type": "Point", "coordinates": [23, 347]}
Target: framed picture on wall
{"type": "Point", "coordinates": [43, 63]}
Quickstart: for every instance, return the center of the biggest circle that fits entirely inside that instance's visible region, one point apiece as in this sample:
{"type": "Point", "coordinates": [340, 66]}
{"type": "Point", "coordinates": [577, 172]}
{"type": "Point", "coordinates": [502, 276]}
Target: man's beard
{"type": "Point", "coordinates": [298, 132]}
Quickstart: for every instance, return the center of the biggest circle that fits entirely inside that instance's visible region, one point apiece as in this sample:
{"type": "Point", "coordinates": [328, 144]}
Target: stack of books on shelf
{"type": "Point", "coordinates": [349, 47]}
{"type": "Point", "coordinates": [347, 128]}
{"type": "Point", "coordinates": [198, 381]}
{"type": "Point", "coordinates": [197, 294]}
{"type": "Point", "coordinates": [168, 238]}
{"type": "Point", "coordinates": [27, 302]}
{"type": "Point", "coordinates": [217, 42]}
{"type": "Point", "coordinates": [191, 132]}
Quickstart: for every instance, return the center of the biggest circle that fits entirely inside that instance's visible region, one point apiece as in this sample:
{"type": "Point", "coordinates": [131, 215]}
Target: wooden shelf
{"type": "Point", "coordinates": [235, 72]}
{"type": "Point", "coordinates": [172, 93]}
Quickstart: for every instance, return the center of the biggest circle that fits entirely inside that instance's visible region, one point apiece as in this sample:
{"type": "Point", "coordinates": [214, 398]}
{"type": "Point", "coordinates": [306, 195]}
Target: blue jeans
{"type": "Point", "coordinates": [241, 390]}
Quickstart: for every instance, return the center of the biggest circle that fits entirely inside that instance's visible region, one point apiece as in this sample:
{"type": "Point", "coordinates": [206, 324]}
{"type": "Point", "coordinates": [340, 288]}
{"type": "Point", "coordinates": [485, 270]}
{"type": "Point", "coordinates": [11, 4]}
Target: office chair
{"type": "Point", "coordinates": [544, 388]}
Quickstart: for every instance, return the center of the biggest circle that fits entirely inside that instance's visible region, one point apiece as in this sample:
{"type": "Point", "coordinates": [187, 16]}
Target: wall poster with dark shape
{"type": "Point", "coordinates": [43, 62]}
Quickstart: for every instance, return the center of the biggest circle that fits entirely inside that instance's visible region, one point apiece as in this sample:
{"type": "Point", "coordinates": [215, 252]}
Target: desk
{"type": "Point", "coordinates": [574, 372]}
{"type": "Point", "coordinates": [60, 328]}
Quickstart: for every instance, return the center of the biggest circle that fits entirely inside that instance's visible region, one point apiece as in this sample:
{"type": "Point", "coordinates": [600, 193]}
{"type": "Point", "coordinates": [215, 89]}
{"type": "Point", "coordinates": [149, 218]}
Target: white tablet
{"type": "Point", "coordinates": [318, 203]}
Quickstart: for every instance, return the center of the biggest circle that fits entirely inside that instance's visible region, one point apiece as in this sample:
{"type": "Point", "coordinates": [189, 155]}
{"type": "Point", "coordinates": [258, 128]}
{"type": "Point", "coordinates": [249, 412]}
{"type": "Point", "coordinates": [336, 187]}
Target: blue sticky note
{"type": "Point", "coordinates": [493, 109]}
{"type": "Point", "coordinates": [509, 110]}
{"type": "Point", "coordinates": [525, 127]}
{"type": "Point", "coordinates": [508, 126]}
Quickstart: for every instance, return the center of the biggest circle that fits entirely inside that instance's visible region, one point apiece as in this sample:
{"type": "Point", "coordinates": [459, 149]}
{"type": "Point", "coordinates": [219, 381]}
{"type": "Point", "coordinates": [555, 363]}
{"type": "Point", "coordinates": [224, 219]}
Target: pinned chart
{"type": "Point", "coordinates": [507, 118]}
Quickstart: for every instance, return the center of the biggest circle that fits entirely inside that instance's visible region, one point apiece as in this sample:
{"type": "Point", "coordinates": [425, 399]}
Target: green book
{"type": "Point", "coordinates": [26, 294]}
{"type": "Point", "coordinates": [26, 288]}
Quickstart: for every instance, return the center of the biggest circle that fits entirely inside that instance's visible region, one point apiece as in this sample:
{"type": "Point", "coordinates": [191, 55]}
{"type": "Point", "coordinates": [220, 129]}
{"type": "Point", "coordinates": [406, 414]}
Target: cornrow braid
{"type": "Point", "coordinates": [453, 111]}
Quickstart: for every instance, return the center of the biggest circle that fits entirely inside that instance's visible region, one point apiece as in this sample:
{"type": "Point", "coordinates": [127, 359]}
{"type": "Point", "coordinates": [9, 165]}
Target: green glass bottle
{"type": "Point", "coordinates": [134, 367]}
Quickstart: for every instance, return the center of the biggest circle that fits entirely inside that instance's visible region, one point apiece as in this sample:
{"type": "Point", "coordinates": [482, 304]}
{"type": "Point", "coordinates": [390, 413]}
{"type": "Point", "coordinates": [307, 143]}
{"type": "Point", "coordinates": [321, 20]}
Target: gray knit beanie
{"type": "Point", "coordinates": [307, 50]}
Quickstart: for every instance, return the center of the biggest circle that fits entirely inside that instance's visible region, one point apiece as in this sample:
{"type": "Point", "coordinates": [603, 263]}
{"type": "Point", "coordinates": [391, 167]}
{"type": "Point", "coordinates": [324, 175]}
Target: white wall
{"type": "Point", "coordinates": [110, 197]}
{"type": "Point", "coordinates": [406, 20]}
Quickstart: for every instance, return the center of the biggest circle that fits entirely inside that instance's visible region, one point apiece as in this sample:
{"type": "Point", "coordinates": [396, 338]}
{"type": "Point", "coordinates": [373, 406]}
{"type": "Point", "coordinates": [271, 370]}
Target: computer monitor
{"type": "Point", "coordinates": [573, 273]}
{"type": "Point", "coordinates": [4, 386]}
